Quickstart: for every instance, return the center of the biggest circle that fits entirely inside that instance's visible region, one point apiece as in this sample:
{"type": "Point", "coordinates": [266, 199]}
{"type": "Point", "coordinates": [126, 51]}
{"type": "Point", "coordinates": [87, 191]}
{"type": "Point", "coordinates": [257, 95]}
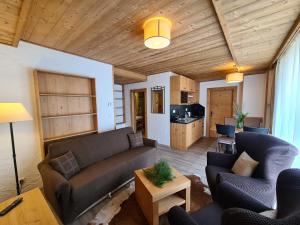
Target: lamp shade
{"type": "Point", "coordinates": [234, 77]}
{"type": "Point", "coordinates": [13, 112]}
{"type": "Point", "coordinates": [157, 32]}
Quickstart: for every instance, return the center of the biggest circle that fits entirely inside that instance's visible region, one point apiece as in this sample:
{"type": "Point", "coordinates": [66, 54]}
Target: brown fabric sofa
{"type": "Point", "coordinates": [106, 162]}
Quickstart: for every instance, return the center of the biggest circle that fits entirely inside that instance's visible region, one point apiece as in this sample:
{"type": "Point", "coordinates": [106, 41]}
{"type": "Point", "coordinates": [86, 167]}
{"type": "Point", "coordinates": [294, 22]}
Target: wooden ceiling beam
{"type": "Point", "coordinates": [217, 7]}
{"type": "Point", "coordinates": [287, 41]}
{"type": "Point", "coordinates": [21, 21]}
{"type": "Point", "coordinates": [130, 76]}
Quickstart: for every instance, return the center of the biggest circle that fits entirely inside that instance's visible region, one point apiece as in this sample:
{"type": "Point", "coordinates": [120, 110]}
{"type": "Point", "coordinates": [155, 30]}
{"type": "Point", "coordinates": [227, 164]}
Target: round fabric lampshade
{"type": "Point", "coordinates": [157, 32]}
{"type": "Point", "coordinates": [234, 77]}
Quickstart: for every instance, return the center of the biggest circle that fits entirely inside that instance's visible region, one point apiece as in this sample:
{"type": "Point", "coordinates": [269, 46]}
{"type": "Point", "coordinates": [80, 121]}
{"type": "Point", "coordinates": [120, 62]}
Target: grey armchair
{"type": "Point", "coordinates": [288, 211]}
{"type": "Point", "coordinates": [256, 193]}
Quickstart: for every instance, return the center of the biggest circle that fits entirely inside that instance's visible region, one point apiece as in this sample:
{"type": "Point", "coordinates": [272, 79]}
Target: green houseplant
{"type": "Point", "coordinates": [159, 174]}
{"type": "Point", "coordinates": [239, 116]}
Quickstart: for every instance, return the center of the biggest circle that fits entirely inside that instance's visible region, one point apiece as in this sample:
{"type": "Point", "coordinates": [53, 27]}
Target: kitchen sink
{"type": "Point", "coordinates": [186, 120]}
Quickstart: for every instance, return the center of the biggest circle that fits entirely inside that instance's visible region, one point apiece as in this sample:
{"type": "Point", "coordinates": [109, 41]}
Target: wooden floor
{"type": "Point", "coordinates": [187, 162]}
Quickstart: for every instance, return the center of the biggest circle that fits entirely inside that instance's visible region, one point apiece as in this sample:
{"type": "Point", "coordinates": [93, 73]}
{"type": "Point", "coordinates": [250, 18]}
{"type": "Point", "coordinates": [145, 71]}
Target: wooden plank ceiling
{"type": "Point", "coordinates": [9, 14]}
{"type": "Point", "coordinates": [111, 31]}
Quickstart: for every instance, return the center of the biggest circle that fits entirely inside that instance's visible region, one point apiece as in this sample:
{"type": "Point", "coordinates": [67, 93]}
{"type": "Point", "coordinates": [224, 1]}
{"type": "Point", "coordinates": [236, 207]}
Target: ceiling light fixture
{"type": "Point", "coordinates": [157, 32]}
{"type": "Point", "coordinates": [235, 77]}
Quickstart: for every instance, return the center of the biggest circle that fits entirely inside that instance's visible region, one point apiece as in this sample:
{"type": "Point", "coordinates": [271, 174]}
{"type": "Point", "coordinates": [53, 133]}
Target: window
{"type": "Point", "coordinates": [119, 106]}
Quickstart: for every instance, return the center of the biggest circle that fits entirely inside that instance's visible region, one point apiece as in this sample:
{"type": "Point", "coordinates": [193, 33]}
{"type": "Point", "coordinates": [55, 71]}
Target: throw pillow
{"type": "Point", "coordinates": [244, 165]}
{"type": "Point", "coordinates": [66, 165]}
{"type": "Point", "coordinates": [136, 140]}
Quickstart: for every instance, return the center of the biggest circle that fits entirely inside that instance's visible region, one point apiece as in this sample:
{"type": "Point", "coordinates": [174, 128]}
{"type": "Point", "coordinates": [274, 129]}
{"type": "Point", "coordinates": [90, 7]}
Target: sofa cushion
{"type": "Point", "coordinates": [65, 165]}
{"type": "Point", "coordinates": [90, 149]}
{"type": "Point", "coordinates": [102, 177]}
{"type": "Point", "coordinates": [136, 140]}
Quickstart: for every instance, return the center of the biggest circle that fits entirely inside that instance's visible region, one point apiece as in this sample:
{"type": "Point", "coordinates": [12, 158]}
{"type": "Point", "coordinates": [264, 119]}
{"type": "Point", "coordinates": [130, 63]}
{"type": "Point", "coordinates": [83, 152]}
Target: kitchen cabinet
{"type": "Point", "coordinates": [181, 83]}
{"type": "Point", "coordinates": [184, 135]}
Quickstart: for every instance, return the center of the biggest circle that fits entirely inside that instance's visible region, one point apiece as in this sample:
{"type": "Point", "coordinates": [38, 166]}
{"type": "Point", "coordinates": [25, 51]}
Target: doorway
{"type": "Point", "coordinates": [138, 101]}
{"type": "Point", "coordinates": [220, 104]}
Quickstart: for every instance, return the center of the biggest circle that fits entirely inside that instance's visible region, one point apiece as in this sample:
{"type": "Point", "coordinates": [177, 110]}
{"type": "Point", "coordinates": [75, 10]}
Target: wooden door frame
{"type": "Point", "coordinates": [209, 90]}
{"type": "Point", "coordinates": [132, 109]}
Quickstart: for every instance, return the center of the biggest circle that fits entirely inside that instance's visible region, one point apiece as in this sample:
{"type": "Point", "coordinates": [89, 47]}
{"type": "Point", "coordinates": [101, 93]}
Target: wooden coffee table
{"type": "Point", "coordinates": [155, 201]}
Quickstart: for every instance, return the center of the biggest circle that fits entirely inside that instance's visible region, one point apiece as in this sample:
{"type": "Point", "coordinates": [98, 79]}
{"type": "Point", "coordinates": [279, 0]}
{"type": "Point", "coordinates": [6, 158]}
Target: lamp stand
{"type": "Point", "coordinates": [14, 157]}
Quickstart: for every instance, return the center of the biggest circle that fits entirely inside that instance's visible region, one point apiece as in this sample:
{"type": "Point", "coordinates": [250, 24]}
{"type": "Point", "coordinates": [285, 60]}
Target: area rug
{"type": "Point", "coordinates": [123, 209]}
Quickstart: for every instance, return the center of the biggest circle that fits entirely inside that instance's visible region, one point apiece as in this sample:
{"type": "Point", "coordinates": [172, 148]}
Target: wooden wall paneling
{"type": "Point", "coordinates": [67, 126]}
{"type": "Point", "coordinates": [66, 105]}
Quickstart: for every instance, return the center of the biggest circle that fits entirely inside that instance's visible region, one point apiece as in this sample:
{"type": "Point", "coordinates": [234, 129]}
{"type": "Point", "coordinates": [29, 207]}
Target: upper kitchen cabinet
{"type": "Point", "coordinates": [184, 90]}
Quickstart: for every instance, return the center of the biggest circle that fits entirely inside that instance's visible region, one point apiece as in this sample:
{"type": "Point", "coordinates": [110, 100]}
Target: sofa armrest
{"type": "Point", "coordinates": [150, 142]}
{"type": "Point", "coordinates": [178, 216]}
{"type": "Point", "coordinates": [56, 188]}
{"type": "Point", "coordinates": [237, 216]}
{"type": "Point", "coordinates": [220, 159]}
{"type": "Point", "coordinates": [244, 192]}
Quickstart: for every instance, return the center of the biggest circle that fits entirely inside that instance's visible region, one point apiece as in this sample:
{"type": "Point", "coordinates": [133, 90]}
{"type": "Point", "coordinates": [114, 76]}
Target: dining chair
{"type": "Point", "coordinates": [253, 122]}
{"type": "Point", "coordinates": [225, 136]}
{"type": "Point", "coordinates": [260, 130]}
{"type": "Point", "coordinates": [230, 121]}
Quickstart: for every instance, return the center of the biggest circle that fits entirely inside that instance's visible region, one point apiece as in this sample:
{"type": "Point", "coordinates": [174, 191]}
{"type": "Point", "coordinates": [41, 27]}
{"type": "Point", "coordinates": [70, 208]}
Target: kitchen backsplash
{"type": "Point", "coordinates": [196, 110]}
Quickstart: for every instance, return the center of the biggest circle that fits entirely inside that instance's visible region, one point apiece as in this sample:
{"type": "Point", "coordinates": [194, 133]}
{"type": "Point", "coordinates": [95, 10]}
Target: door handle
{"type": "Point", "coordinates": [211, 113]}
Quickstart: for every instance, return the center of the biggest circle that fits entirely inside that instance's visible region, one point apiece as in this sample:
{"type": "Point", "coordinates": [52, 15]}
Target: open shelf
{"type": "Point", "coordinates": [70, 115]}
{"type": "Point", "coordinates": [167, 203]}
{"type": "Point", "coordinates": [66, 105]}
{"type": "Point", "coordinates": [70, 135]}
{"type": "Point", "coordinates": [67, 95]}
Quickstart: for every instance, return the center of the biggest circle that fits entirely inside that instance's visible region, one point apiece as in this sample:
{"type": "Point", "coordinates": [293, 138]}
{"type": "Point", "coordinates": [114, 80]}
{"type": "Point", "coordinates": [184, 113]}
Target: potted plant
{"type": "Point", "coordinates": [239, 116]}
{"type": "Point", "coordinates": [159, 174]}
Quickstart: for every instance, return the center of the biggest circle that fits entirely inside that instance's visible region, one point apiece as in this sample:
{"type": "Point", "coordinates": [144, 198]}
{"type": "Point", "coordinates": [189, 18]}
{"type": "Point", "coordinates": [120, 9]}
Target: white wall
{"type": "Point", "coordinates": [16, 85]}
{"type": "Point", "coordinates": [254, 89]}
{"type": "Point", "coordinates": [254, 94]}
{"type": "Point", "coordinates": [158, 124]}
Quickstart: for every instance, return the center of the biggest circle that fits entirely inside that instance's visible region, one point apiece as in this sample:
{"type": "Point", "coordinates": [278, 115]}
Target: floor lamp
{"type": "Point", "coordinates": [10, 113]}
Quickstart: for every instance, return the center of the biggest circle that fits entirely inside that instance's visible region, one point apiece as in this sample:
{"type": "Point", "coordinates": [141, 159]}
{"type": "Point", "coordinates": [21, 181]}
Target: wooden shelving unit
{"type": "Point", "coordinates": [67, 95]}
{"type": "Point", "coordinates": [63, 116]}
{"type": "Point", "coordinates": [66, 106]}
{"type": "Point", "coordinates": [71, 135]}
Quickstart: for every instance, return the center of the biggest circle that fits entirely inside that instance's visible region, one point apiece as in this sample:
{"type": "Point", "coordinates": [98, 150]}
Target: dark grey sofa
{"type": "Point", "coordinates": [106, 162]}
{"type": "Point", "coordinates": [288, 210]}
{"type": "Point", "coordinates": [256, 193]}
